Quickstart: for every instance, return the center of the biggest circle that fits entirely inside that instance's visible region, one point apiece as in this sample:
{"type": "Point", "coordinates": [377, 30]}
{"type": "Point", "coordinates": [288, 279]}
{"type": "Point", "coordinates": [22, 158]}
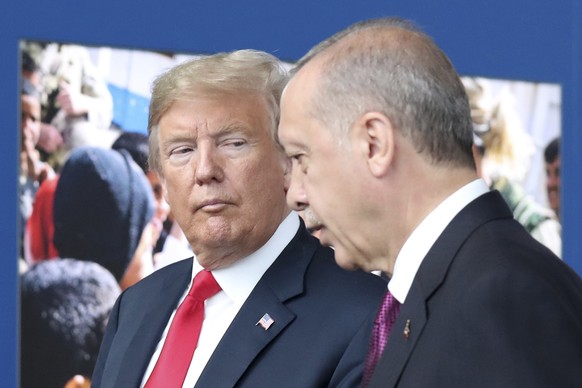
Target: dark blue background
{"type": "Point", "coordinates": [512, 39]}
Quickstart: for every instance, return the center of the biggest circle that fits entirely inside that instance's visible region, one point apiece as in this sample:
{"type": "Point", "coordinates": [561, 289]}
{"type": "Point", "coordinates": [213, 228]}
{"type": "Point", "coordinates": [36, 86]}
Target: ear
{"type": "Point", "coordinates": [375, 137]}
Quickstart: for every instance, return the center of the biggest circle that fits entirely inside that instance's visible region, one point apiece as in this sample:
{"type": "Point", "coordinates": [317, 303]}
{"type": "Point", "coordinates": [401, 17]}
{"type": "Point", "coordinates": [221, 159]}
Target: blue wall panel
{"type": "Point", "coordinates": [515, 39]}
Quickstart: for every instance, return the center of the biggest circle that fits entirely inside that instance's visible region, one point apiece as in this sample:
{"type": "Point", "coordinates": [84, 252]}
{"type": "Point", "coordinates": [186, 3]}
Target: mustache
{"type": "Point", "coordinates": [312, 222]}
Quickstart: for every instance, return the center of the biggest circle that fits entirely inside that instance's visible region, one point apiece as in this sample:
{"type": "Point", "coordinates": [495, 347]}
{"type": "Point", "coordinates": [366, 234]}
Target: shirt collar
{"type": "Point", "coordinates": [239, 279]}
{"type": "Point", "coordinates": [426, 233]}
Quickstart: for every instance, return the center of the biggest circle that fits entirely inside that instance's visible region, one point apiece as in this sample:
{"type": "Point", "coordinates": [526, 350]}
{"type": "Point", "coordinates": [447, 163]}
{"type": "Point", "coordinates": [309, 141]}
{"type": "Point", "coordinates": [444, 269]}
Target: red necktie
{"type": "Point", "coordinates": [172, 366]}
{"type": "Point", "coordinates": [382, 325]}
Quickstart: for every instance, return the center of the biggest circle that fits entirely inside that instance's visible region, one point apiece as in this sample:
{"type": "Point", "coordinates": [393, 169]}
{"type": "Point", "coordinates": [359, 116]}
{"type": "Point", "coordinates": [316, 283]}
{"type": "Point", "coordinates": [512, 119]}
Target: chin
{"type": "Point", "coordinates": [345, 263]}
{"type": "Point", "coordinates": [321, 235]}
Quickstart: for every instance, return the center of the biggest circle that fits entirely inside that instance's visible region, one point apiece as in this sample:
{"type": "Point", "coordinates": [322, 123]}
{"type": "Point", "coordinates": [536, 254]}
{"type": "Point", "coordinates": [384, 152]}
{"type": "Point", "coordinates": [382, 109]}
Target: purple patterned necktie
{"type": "Point", "coordinates": [382, 325]}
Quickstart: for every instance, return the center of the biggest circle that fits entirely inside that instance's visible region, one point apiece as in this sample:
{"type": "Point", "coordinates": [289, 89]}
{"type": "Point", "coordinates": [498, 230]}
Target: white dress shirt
{"type": "Point", "coordinates": [425, 235]}
{"type": "Point", "coordinates": [237, 282]}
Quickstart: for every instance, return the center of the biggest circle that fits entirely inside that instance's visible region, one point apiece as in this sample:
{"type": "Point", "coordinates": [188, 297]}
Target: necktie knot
{"type": "Point", "coordinates": [204, 286]}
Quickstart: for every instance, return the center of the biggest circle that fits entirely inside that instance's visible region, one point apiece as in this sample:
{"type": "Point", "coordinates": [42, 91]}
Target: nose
{"type": "Point", "coordinates": [553, 179]}
{"type": "Point", "coordinates": [296, 196]}
{"type": "Point", "coordinates": [208, 168]}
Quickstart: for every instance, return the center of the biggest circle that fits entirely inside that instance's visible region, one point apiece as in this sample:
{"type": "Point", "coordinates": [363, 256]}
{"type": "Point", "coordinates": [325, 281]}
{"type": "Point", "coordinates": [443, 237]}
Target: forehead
{"type": "Point", "coordinates": [216, 111]}
{"type": "Point", "coordinates": [296, 107]}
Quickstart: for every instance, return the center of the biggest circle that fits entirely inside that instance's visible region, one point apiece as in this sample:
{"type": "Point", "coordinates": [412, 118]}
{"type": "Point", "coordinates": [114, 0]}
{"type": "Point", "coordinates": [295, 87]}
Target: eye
{"type": "Point", "coordinates": [180, 154]}
{"type": "Point", "coordinates": [181, 150]}
{"type": "Point", "coordinates": [234, 143]}
{"type": "Point", "coordinates": [299, 160]}
{"type": "Point", "coordinates": [233, 146]}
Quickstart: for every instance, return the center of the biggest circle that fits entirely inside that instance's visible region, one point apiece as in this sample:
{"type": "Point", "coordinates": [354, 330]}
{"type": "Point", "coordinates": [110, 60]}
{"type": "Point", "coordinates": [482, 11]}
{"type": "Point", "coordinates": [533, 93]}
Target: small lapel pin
{"type": "Point", "coordinates": [266, 321]}
{"type": "Point", "coordinates": [407, 330]}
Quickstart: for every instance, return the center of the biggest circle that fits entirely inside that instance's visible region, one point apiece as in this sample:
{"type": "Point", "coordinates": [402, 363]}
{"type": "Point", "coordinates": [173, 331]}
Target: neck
{"type": "Point", "coordinates": [421, 191]}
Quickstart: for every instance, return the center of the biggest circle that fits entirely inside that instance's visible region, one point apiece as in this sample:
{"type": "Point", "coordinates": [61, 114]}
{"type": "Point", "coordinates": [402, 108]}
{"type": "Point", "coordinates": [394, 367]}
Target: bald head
{"type": "Point", "coordinates": [388, 65]}
{"type": "Point", "coordinates": [381, 103]}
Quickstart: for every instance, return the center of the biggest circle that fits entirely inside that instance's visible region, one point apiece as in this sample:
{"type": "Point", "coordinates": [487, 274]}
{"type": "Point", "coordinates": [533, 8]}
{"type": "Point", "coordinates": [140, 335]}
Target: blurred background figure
{"type": "Point", "coordinates": [33, 171]}
{"type": "Point", "coordinates": [77, 106]}
{"type": "Point", "coordinates": [552, 164]}
{"type": "Point", "coordinates": [65, 305]}
{"type": "Point", "coordinates": [50, 139]}
{"type": "Point", "coordinates": [136, 144]}
{"type": "Point", "coordinates": [499, 131]}
{"type": "Point", "coordinates": [502, 151]}
{"type": "Point", "coordinates": [103, 208]}
{"type": "Point", "coordinates": [172, 246]}
{"type": "Point", "coordinates": [170, 243]}
{"type": "Point", "coordinates": [40, 230]}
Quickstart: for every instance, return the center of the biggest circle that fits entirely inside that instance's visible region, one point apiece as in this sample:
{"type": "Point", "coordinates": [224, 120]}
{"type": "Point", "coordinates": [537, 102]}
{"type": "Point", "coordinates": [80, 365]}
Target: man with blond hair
{"type": "Point", "coordinates": [277, 310]}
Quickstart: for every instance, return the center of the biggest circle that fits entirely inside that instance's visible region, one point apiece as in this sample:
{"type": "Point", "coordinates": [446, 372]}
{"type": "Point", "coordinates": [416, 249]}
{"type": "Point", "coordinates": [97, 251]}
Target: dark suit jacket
{"type": "Point", "coordinates": [323, 317]}
{"type": "Point", "coordinates": [489, 307]}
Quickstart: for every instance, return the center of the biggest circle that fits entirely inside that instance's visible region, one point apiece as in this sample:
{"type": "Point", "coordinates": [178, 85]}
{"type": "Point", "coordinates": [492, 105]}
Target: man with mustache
{"type": "Point", "coordinates": [282, 313]}
{"type": "Point", "coordinates": [378, 125]}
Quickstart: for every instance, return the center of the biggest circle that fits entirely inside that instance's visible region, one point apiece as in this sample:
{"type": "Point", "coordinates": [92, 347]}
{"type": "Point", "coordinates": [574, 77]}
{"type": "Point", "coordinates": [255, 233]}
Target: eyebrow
{"type": "Point", "coordinates": [175, 138]}
{"type": "Point", "coordinates": [231, 128]}
{"type": "Point", "coordinates": [295, 143]}
{"type": "Point", "coordinates": [221, 131]}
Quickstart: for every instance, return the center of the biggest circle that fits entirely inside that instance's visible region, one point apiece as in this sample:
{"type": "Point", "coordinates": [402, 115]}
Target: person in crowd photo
{"type": "Point", "coordinates": [39, 231]}
{"type": "Point", "coordinates": [378, 126]}
{"type": "Point", "coordinates": [498, 139]}
{"type": "Point", "coordinates": [170, 243]}
{"type": "Point", "coordinates": [50, 139]}
{"type": "Point", "coordinates": [65, 305]}
{"type": "Point", "coordinates": [33, 171]}
{"type": "Point", "coordinates": [102, 212]}
{"type": "Point", "coordinates": [553, 162]}
{"type": "Point", "coordinates": [77, 105]}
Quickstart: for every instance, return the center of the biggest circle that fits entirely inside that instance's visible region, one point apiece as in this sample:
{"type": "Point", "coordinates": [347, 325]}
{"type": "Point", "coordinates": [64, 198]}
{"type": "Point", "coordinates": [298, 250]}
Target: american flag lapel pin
{"type": "Point", "coordinates": [407, 329]}
{"type": "Point", "coordinates": [266, 321]}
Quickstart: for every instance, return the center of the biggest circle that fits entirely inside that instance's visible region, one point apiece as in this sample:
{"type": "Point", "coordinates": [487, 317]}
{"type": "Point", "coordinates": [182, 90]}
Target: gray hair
{"type": "Point", "coordinates": [238, 72]}
{"type": "Point", "coordinates": [389, 65]}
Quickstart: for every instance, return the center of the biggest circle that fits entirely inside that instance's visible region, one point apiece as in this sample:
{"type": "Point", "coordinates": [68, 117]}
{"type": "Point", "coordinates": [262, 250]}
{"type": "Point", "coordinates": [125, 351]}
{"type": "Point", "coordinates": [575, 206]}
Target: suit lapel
{"type": "Point", "coordinates": [150, 327]}
{"type": "Point", "coordinates": [431, 274]}
{"type": "Point", "coordinates": [399, 348]}
{"type": "Point", "coordinates": [244, 340]}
